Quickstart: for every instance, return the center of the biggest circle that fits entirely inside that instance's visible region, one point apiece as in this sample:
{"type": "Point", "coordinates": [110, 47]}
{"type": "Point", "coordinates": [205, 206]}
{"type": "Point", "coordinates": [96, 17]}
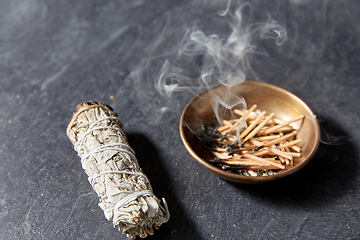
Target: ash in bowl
{"type": "Point", "coordinates": [254, 144]}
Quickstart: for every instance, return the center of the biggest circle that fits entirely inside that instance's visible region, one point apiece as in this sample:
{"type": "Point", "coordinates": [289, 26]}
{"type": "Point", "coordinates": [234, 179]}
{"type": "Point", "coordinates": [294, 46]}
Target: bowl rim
{"type": "Point", "coordinates": [241, 178]}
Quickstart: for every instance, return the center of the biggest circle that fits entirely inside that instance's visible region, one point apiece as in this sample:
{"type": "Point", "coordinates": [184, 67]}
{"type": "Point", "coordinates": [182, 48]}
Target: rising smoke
{"type": "Point", "coordinates": [202, 60]}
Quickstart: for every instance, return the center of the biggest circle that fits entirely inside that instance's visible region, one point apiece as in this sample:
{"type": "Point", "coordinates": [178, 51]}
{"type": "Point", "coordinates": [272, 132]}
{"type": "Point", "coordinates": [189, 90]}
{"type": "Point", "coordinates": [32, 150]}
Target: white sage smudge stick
{"type": "Point", "coordinates": [124, 191]}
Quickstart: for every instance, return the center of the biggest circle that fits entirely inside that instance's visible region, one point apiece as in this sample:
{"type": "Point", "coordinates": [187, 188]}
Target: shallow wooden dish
{"type": "Point", "coordinates": [267, 97]}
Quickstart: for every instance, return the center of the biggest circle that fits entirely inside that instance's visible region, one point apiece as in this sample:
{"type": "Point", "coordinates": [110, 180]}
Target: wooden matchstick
{"type": "Point", "coordinates": [270, 167]}
{"type": "Point", "coordinates": [266, 138]}
{"type": "Point", "coordinates": [242, 118]}
{"type": "Point", "coordinates": [295, 148]}
{"type": "Point", "coordinates": [282, 129]}
{"type": "Point", "coordinates": [221, 155]}
{"type": "Point", "coordinates": [252, 125]}
{"type": "Point", "coordinates": [253, 133]}
{"type": "Point", "coordinates": [218, 149]}
{"type": "Point", "coordinates": [282, 159]}
{"type": "Point", "coordinates": [289, 144]}
{"type": "Point", "coordinates": [273, 129]}
{"type": "Point", "coordinates": [294, 154]}
{"type": "Point", "coordinates": [263, 160]}
{"type": "Point", "coordinates": [226, 125]}
{"type": "Point", "coordinates": [259, 153]}
{"type": "Point", "coordinates": [283, 148]}
{"type": "Point", "coordinates": [246, 112]}
{"type": "Point", "coordinates": [275, 141]}
{"type": "Point", "coordinates": [248, 147]}
{"type": "Point", "coordinates": [279, 152]}
{"type": "Point", "coordinates": [245, 163]}
{"type": "Point", "coordinates": [256, 142]}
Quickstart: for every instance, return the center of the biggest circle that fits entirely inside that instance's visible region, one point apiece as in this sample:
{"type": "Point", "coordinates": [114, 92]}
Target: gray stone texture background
{"type": "Point", "coordinates": [57, 54]}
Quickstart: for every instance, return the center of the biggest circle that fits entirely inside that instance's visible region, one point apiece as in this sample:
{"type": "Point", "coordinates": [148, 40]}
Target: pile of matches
{"type": "Point", "coordinates": [261, 148]}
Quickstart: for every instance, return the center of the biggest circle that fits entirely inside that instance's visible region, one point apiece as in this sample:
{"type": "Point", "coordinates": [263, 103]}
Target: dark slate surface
{"type": "Point", "coordinates": [57, 54]}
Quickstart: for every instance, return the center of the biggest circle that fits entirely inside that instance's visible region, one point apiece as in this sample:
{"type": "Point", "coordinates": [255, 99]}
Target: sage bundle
{"type": "Point", "coordinates": [124, 191]}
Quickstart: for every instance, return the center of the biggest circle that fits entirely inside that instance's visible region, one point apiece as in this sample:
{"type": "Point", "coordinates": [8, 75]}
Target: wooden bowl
{"type": "Point", "coordinates": [267, 97]}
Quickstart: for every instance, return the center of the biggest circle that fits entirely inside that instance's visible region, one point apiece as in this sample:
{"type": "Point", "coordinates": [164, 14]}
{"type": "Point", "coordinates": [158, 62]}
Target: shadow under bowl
{"type": "Point", "coordinates": [270, 98]}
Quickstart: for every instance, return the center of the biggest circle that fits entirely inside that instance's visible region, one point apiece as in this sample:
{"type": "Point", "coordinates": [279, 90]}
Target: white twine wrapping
{"type": "Point", "coordinates": [130, 151]}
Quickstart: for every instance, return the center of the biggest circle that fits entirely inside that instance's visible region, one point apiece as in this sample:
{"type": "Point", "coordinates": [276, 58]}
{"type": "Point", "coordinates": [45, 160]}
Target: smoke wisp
{"type": "Point", "coordinates": [203, 44]}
